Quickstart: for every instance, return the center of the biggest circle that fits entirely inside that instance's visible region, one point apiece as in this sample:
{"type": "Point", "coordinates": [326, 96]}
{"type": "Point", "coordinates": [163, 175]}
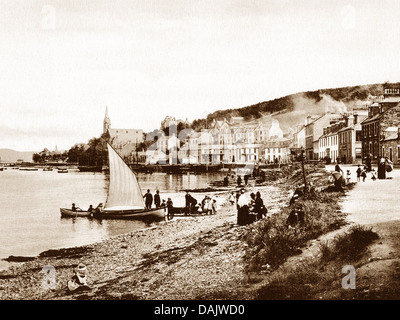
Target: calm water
{"type": "Point", "coordinates": [30, 201]}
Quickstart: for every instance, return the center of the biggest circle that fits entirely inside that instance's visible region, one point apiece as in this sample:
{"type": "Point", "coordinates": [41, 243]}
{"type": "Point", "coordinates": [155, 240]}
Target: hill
{"type": "Point", "coordinates": [292, 109]}
{"type": "Point", "coordinates": [9, 155]}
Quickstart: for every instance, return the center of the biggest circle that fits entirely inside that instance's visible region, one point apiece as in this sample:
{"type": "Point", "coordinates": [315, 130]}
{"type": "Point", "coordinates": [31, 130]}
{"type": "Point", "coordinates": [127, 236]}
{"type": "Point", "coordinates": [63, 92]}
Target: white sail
{"type": "Point", "coordinates": [124, 191]}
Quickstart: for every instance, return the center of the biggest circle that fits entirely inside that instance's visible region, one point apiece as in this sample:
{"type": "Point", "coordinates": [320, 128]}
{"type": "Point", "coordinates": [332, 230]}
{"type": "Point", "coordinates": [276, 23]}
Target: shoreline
{"type": "Point", "coordinates": [23, 280]}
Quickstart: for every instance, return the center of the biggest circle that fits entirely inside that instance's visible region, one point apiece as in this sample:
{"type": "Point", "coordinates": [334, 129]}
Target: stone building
{"type": "Point", "coordinates": [124, 141]}
{"type": "Point", "coordinates": [380, 128]}
{"type": "Point", "coordinates": [314, 129]}
{"type": "Point", "coordinates": [350, 138]}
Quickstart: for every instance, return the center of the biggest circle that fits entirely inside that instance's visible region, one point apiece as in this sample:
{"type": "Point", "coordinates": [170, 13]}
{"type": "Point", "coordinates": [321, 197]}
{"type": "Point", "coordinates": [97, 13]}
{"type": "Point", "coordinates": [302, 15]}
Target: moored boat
{"type": "Point", "coordinates": [90, 168]}
{"type": "Point", "coordinates": [62, 171]}
{"type": "Point", "coordinates": [28, 169]}
{"type": "Point", "coordinates": [125, 198]}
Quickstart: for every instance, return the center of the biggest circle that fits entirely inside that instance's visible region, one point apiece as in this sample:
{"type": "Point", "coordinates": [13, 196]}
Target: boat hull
{"type": "Point", "coordinates": [90, 168]}
{"type": "Point", "coordinates": [183, 210]}
{"type": "Point", "coordinates": [156, 213]}
{"type": "Point", "coordinates": [68, 213]}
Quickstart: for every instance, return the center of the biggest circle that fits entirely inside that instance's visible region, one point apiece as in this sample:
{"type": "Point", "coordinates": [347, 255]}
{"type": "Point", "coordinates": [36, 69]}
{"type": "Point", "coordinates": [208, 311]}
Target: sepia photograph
{"type": "Point", "coordinates": [199, 155]}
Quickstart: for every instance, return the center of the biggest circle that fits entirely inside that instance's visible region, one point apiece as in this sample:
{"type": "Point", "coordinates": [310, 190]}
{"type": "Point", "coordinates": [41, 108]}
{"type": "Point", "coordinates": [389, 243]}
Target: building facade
{"type": "Point", "coordinates": [380, 127]}
{"type": "Point", "coordinates": [124, 141]}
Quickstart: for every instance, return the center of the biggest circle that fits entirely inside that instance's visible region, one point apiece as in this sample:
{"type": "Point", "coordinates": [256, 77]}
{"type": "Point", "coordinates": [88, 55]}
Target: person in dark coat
{"type": "Point", "coordinates": [259, 207]}
{"type": "Point", "coordinates": [190, 202]}
{"type": "Point", "coordinates": [226, 181]}
{"type": "Point", "coordinates": [359, 170]}
{"type": "Point", "coordinates": [157, 199]}
{"type": "Point", "coordinates": [148, 199]}
{"type": "Point", "coordinates": [296, 216]}
{"type": "Point", "coordinates": [382, 168]}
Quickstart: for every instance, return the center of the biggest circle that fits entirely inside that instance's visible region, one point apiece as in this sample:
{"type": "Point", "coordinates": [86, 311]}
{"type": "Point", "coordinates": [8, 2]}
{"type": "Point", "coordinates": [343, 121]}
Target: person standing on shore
{"type": "Point", "coordinates": [239, 181]}
{"type": "Point", "coordinates": [358, 173]}
{"type": "Point", "coordinates": [348, 176]}
{"type": "Point", "coordinates": [149, 199]}
{"type": "Point", "coordinates": [157, 199]}
{"type": "Point", "coordinates": [243, 209]}
{"type": "Point", "coordinates": [214, 206]}
{"type": "Point", "coordinates": [382, 168]}
{"type": "Point", "coordinates": [364, 174]}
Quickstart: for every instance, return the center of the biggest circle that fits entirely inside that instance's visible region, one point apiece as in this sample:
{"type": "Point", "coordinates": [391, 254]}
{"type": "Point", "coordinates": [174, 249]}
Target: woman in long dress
{"type": "Point", "coordinates": [389, 169]}
{"type": "Point", "coordinates": [243, 209]}
{"type": "Point", "coordinates": [382, 169]}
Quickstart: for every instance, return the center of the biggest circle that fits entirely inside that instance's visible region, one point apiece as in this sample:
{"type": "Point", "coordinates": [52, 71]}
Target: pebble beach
{"type": "Point", "coordinates": [195, 257]}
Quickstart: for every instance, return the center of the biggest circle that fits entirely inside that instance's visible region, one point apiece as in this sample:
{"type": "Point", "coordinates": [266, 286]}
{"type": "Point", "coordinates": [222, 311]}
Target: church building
{"type": "Point", "coordinates": [124, 141]}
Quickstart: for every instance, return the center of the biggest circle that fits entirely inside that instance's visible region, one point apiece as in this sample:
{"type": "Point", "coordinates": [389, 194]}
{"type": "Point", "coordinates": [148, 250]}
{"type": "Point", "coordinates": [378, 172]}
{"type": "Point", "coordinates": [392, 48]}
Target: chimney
{"type": "Point", "coordinates": [355, 118]}
{"type": "Point", "coordinates": [346, 120]}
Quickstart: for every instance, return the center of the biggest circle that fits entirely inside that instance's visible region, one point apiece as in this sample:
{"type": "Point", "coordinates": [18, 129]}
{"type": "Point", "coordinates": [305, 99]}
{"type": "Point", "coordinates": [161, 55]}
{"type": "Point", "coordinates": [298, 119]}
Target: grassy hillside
{"type": "Point", "coordinates": [296, 106]}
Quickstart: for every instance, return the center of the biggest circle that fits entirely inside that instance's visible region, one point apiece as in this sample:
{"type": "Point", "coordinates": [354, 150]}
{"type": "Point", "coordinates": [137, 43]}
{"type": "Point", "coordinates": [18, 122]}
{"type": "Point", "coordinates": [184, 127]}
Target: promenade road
{"type": "Point", "coordinates": [372, 202]}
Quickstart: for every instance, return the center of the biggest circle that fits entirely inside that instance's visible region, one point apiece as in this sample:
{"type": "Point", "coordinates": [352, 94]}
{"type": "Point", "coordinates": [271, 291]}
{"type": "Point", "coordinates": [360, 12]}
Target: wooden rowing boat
{"type": "Point", "coordinates": [68, 213]}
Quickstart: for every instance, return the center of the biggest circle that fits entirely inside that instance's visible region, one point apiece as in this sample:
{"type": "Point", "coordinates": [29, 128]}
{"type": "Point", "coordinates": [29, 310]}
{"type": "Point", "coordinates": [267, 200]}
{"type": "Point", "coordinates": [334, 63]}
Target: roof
{"type": "Point", "coordinates": [373, 118]}
{"type": "Point", "coordinates": [391, 100]}
{"type": "Point", "coordinates": [391, 136]}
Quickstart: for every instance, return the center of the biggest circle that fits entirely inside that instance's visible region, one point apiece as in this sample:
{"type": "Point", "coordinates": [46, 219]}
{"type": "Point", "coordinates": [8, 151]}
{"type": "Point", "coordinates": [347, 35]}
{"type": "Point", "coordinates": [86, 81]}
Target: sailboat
{"type": "Point", "coordinates": [125, 198]}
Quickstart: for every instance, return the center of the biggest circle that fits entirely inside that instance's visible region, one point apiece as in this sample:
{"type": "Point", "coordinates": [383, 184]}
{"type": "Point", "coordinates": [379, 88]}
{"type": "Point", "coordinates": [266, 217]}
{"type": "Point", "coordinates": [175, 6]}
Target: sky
{"type": "Point", "coordinates": [62, 62]}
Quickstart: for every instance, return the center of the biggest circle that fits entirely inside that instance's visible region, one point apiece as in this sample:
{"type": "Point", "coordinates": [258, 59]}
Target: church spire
{"type": "Point", "coordinates": [106, 122]}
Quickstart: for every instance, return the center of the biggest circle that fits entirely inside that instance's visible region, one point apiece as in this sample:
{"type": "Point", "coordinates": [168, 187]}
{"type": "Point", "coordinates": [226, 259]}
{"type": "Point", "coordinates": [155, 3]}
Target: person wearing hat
{"type": "Point", "coordinates": [78, 281]}
{"type": "Point", "coordinates": [243, 208]}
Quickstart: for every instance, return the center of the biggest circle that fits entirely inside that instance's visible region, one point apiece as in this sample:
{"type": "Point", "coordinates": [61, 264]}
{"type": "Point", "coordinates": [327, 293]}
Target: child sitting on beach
{"type": "Point", "coordinates": [78, 281]}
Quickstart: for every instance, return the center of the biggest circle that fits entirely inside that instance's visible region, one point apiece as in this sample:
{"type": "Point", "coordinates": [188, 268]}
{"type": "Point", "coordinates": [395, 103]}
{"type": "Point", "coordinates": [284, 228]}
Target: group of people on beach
{"type": "Point", "coordinates": [249, 210]}
{"type": "Point", "coordinates": [149, 199]}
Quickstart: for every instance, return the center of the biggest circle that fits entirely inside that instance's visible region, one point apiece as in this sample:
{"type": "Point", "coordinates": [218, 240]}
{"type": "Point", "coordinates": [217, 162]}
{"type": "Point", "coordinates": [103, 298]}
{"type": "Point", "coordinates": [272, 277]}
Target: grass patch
{"type": "Point", "coordinates": [315, 277]}
{"type": "Point", "coordinates": [350, 246]}
{"type": "Point", "coordinates": [271, 241]}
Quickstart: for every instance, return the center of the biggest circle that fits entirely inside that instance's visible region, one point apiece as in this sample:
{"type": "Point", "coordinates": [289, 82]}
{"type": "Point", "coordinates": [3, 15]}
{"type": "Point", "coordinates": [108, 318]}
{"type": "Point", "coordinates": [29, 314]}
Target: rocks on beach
{"type": "Point", "coordinates": [187, 258]}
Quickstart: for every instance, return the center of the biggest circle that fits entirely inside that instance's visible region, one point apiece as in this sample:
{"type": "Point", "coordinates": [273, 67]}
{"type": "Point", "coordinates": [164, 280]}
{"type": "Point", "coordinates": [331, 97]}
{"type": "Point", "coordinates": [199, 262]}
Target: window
{"type": "Point", "coordinates": [358, 135]}
{"type": "Point", "coordinates": [398, 153]}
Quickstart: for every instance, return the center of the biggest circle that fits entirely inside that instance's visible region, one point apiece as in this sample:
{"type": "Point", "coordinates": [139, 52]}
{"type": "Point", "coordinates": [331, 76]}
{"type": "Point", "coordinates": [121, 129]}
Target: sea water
{"type": "Point", "coordinates": [30, 202]}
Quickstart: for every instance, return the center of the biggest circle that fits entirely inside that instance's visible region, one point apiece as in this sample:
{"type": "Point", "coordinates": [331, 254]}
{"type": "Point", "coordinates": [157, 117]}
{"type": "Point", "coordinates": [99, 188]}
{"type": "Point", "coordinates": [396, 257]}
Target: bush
{"type": "Point", "coordinates": [271, 241]}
